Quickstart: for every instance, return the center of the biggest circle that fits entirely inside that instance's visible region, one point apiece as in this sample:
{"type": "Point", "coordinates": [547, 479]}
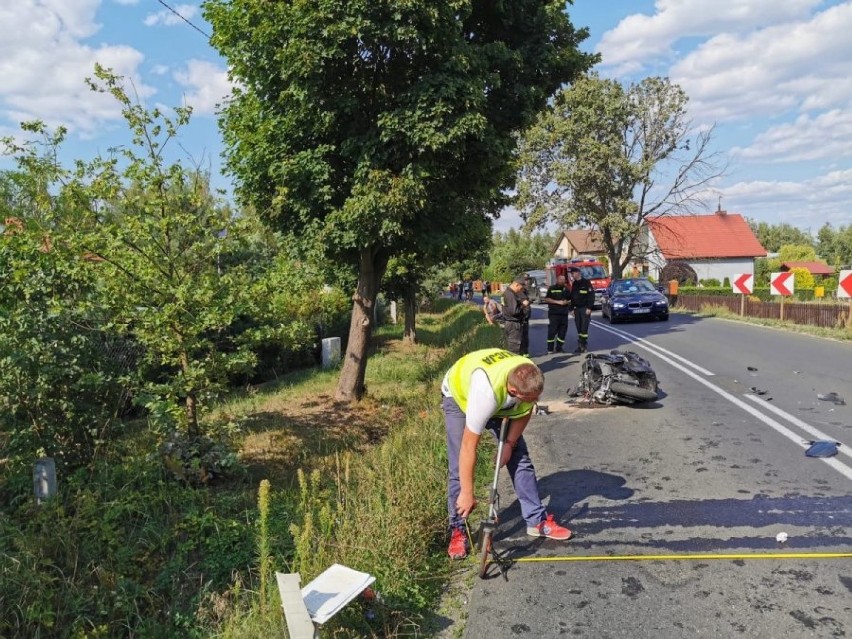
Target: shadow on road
{"type": "Point", "coordinates": [658, 527]}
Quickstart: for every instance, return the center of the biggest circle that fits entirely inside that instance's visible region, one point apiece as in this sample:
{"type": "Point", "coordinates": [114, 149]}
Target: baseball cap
{"type": "Point", "coordinates": [573, 269]}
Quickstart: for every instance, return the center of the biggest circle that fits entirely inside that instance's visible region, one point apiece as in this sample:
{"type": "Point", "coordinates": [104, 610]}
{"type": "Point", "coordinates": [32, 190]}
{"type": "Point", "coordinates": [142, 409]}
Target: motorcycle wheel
{"type": "Point", "coordinates": [634, 392]}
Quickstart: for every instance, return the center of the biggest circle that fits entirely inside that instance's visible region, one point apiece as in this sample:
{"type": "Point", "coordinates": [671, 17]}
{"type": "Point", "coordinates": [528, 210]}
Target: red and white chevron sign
{"type": "Point", "coordinates": [781, 283]}
{"type": "Point", "coordinates": [743, 283]}
{"type": "Point", "coordinates": [844, 284]}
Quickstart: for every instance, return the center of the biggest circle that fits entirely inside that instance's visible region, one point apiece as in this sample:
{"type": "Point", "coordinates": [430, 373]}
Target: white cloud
{"type": "Point", "coordinates": [169, 19]}
{"type": "Point", "coordinates": [773, 70]}
{"type": "Point", "coordinates": [206, 85]}
{"type": "Point", "coordinates": [126, 2]}
{"type": "Point", "coordinates": [43, 64]}
{"type": "Point", "coordinates": [806, 204]}
{"type": "Point", "coordinates": [826, 136]}
{"type": "Point", "coordinates": [640, 38]}
{"type": "Point", "coordinates": [160, 69]}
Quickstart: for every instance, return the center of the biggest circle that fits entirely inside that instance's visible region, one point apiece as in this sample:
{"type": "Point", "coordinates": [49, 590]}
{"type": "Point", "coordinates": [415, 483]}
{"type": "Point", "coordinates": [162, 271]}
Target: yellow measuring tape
{"type": "Point", "coordinates": [769, 555]}
{"type": "Point", "coordinates": [682, 557]}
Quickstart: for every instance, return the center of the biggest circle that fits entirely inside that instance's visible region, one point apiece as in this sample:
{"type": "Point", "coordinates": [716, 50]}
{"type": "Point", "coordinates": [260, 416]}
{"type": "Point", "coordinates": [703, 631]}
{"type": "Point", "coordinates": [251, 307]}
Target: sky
{"type": "Point", "coordinates": [771, 75]}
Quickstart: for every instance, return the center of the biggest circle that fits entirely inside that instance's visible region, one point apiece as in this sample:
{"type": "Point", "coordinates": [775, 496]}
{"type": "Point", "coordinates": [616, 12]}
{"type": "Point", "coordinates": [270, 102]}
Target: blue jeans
{"type": "Point", "coordinates": [520, 468]}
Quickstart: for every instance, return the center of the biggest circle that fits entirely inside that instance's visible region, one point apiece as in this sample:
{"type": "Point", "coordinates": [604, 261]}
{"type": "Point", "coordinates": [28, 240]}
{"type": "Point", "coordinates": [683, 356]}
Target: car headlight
{"type": "Point", "coordinates": [661, 302]}
{"type": "Point", "coordinates": [618, 305]}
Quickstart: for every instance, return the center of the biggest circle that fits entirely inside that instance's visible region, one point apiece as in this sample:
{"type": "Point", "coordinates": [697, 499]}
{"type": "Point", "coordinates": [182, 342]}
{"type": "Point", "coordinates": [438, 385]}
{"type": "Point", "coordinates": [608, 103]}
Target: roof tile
{"type": "Point", "coordinates": [718, 235]}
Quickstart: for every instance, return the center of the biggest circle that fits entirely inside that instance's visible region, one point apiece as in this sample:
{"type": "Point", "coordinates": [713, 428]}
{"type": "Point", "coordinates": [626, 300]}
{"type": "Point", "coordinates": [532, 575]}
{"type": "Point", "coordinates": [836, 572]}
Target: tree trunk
{"type": "Point", "coordinates": [409, 334]}
{"type": "Point", "coordinates": [191, 402]}
{"type": "Point", "coordinates": [350, 385]}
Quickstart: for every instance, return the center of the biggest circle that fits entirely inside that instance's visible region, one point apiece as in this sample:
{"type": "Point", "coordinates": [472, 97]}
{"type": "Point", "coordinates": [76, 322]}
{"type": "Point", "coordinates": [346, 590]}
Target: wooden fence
{"type": "Point", "coordinates": [824, 314]}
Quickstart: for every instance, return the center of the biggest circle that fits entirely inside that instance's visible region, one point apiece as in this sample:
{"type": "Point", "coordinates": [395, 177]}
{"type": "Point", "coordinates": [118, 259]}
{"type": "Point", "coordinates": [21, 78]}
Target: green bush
{"type": "Point", "coordinates": [59, 389]}
{"type": "Point", "coordinates": [704, 290]}
{"type": "Point", "coordinates": [120, 551]}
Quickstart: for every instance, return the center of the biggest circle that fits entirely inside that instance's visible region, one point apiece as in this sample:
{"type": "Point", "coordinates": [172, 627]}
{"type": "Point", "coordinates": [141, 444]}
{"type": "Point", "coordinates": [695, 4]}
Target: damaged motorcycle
{"type": "Point", "coordinates": [620, 377]}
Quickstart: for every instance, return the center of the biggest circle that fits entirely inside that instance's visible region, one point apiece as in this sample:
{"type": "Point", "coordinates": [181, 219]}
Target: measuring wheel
{"type": "Point", "coordinates": [486, 531]}
{"type": "Point", "coordinates": [486, 535]}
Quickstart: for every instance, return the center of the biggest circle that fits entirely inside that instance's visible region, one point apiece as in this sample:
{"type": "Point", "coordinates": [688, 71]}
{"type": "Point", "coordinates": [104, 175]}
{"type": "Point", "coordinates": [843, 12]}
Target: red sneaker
{"type": "Point", "coordinates": [549, 528]}
{"type": "Point", "coordinates": [458, 544]}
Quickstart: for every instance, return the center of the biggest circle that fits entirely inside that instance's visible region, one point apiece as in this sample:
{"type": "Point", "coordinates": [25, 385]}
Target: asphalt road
{"type": "Point", "coordinates": [715, 467]}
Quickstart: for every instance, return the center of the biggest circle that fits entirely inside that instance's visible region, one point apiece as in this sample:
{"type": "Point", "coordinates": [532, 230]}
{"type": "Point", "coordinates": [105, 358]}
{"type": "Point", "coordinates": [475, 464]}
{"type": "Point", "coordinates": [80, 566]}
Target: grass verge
{"type": "Point", "coordinates": [712, 310]}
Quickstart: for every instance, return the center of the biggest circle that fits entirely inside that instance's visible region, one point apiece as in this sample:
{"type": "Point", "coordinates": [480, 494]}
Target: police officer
{"type": "Point", "coordinates": [557, 299]}
{"type": "Point", "coordinates": [516, 314]}
{"type": "Point", "coordinates": [582, 302]}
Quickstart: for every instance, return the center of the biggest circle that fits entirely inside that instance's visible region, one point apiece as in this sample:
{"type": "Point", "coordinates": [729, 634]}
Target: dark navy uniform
{"type": "Point", "coordinates": [516, 315]}
{"type": "Point", "coordinates": [557, 316]}
{"type": "Point", "coordinates": [582, 300]}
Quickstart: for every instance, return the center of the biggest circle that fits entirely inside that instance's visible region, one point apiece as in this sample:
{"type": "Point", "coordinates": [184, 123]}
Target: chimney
{"type": "Point", "coordinates": [719, 210]}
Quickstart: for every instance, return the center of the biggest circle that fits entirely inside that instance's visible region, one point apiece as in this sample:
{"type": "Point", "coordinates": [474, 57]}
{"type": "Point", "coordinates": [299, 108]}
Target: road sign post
{"type": "Point", "coordinates": [782, 284]}
{"type": "Point", "coordinates": [844, 291]}
{"type": "Point", "coordinates": [844, 285]}
{"type": "Point", "coordinates": [742, 283]}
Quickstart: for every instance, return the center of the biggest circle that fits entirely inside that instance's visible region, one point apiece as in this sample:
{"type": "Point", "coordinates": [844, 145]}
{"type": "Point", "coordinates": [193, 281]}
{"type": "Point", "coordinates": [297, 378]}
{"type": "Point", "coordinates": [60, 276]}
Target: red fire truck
{"type": "Point", "coordinates": [592, 269]}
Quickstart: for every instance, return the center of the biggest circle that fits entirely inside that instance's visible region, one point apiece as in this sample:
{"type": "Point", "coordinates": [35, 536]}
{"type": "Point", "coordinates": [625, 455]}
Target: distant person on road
{"type": "Point", "coordinates": [558, 300]}
{"type": "Point", "coordinates": [516, 314]}
{"type": "Point", "coordinates": [582, 303]}
{"type": "Point", "coordinates": [492, 310]}
{"type": "Point", "coordinates": [486, 288]}
{"type": "Point", "coordinates": [468, 290]}
{"type": "Point", "coordinates": [478, 391]}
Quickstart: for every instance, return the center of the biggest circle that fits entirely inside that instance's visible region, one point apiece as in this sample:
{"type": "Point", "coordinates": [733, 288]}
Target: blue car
{"type": "Point", "coordinates": [634, 298]}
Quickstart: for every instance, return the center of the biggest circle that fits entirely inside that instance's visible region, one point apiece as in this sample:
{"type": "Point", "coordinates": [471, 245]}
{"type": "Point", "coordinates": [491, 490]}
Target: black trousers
{"type": "Point", "coordinates": [582, 321]}
{"type": "Point", "coordinates": [557, 326]}
{"type": "Point", "coordinates": [517, 337]}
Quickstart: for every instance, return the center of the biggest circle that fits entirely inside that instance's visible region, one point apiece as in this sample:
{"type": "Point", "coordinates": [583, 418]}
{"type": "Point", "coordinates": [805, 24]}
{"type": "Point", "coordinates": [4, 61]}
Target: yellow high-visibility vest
{"type": "Point", "coordinates": [497, 364]}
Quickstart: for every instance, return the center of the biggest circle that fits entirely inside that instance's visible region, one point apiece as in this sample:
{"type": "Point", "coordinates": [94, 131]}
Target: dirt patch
{"type": "Point", "coordinates": [291, 433]}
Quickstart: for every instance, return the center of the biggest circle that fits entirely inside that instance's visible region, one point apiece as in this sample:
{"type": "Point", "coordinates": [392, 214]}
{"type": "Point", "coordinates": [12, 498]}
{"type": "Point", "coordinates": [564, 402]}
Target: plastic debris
{"type": "Point", "coordinates": [822, 448]}
{"type": "Point", "coordinates": [757, 391]}
{"type": "Point", "coordinates": [781, 538]}
{"type": "Point", "coordinates": [831, 397]}
{"type": "Point", "coordinates": [753, 369]}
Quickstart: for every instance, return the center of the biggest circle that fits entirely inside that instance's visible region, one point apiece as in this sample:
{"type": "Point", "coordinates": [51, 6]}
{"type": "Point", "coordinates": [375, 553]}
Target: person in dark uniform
{"type": "Point", "coordinates": [557, 300]}
{"type": "Point", "coordinates": [582, 302]}
{"type": "Point", "coordinates": [516, 314]}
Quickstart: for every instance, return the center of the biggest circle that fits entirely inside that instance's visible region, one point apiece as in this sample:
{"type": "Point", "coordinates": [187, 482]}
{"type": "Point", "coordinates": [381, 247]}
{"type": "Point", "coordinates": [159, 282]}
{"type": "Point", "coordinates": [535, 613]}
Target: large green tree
{"type": "Point", "coordinates": [379, 128]}
{"type": "Point", "coordinates": [609, 157]}
{"type": "Point", "coordinates": [835, 245]}
{"type": "Point", "coordinates": [773, 236]}
{"type": "Point", "coordinates": [514, 252]}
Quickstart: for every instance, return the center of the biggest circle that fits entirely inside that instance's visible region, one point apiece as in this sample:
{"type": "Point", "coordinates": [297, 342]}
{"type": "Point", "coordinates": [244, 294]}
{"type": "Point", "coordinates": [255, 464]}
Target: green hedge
{"type": "Point", "coordinates": [800, 294]}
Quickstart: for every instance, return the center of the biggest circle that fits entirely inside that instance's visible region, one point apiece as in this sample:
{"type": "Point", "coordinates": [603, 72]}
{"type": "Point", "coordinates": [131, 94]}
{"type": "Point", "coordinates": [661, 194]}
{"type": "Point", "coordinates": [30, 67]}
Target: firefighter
{"type": "Point", "coordinates": [582, 302]}
{"type": "Point", "coordinates": [557, 299]}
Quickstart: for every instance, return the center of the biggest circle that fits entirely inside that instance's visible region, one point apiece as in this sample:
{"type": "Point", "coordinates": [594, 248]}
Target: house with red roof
{"type": "Point", "coordinates": [817, 269]}
{"type": "Point", "coordinates": [716, 246]}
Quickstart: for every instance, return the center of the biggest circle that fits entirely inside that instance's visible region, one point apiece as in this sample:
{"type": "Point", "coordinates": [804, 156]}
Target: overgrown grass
{"type": "Point", "coordinates": [125, 551]}
{"type": "Point", "coordinates": [713, 310]}
{"type": "Point", "coordinates": [384, 512]}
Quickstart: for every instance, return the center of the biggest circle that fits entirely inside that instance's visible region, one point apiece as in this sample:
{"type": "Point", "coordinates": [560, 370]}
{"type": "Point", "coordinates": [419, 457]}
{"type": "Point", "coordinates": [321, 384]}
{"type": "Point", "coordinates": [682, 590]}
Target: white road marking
{"type": "Point", "coordinates": [638, 340]}
{"type": "Point", "coordinates": [815, 432]}
{"type": "Point", "coordinates": [839, 466]}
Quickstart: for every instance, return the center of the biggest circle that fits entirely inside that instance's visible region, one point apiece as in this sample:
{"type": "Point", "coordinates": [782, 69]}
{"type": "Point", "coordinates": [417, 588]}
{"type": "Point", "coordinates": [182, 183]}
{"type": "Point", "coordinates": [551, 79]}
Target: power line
{"type": "Point", "coordinates": [184, 19]}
